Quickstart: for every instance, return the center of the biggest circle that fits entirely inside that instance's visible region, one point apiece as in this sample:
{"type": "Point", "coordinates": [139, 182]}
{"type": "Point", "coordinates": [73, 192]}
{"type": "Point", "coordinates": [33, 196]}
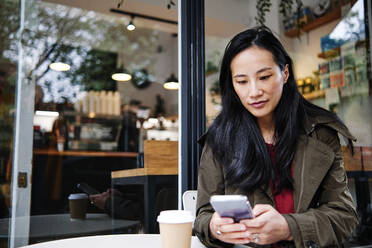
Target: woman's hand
{"type": "Point", "coordinates": [227, 231]}
{"type": "Point", "coordinates": [268, 226]}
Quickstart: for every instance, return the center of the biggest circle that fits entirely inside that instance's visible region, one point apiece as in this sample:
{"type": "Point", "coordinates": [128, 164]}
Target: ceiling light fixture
{"type": "Point", "coordinates": [131, 26]}
{"type": "Point", "coordinates": [122, 73]}
{"type": "Point", "coordinates": [172, 82]}
{"type": "Point", "coordinates": [59, 66]}
{"type": "Point", "coordinates": [122, 76]}
{"type": "Point", "coordinates": [133, 15]}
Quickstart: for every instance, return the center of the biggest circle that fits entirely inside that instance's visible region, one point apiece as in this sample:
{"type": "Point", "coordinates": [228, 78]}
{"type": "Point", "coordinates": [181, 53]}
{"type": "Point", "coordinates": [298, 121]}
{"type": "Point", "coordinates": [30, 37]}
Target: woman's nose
{"type": "Point", "coordinates": [255, 91]}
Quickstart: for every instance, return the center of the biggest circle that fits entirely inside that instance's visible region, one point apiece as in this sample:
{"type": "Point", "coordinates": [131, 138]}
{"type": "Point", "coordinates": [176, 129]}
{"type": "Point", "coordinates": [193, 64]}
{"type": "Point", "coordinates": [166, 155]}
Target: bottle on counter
{"type": "Point", "coordinates": [85, 103]}
{"type": "Point", "coordinates": [91, 107]}
{"type": "Point", "coordinates": [77, 106]}
{"type": "Point", "coordinates": [102, 99]}
{"type": "Point", "coordinates": [97, 105]}
{"type": "Point", "coordinates": [110, 105]}
{"type": "Point", "coordinates": [117, 103]}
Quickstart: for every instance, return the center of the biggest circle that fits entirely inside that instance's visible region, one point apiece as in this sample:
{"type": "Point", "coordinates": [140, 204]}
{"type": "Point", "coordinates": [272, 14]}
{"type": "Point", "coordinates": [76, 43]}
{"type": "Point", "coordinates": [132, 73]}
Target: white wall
{"type": "Point", "coordinates": [304, 50]}
{"type": "Point", "coordinates": [165, 62]}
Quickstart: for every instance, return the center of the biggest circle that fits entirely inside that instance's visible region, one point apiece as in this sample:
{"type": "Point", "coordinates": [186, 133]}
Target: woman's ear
{"type": "Point", "coordinates": [285, 73]}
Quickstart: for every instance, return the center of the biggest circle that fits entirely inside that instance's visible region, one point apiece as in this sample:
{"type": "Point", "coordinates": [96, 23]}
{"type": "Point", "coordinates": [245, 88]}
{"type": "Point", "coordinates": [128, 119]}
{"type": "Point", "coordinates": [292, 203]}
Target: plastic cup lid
{"type": "Point", "coordinates": [78, 196]}
{"type": "Point", "coordinates": [175, 216]}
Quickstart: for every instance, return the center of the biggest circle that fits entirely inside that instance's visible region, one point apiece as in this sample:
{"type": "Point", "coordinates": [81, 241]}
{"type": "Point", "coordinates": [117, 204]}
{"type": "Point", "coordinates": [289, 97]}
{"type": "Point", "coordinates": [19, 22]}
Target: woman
{"type": "Point", "coordinates": [280, 150]}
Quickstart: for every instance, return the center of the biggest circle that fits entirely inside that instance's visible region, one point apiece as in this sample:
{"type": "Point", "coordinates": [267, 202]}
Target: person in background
{"type": "Point", "coordinates": [129, 135]}
{"type": "Point", "coordinates": [116, 204]}
{"type": "Point", "coordinates": [278, 149]}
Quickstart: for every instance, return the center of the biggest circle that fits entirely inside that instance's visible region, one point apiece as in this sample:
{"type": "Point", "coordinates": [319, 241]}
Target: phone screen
{"type": "Point", "coordinates": [233, 206]}
{"type": "Point", "coordinates": [87, 189]}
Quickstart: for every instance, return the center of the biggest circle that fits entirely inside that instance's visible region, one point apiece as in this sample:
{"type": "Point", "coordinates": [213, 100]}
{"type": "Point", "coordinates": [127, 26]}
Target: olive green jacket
{"type": "Point", "coordinates": [324, 215]}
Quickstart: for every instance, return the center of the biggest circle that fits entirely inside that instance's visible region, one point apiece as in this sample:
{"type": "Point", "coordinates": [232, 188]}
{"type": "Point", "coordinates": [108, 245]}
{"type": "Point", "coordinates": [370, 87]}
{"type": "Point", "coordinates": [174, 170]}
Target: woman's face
{"type": "Point", "coordinates": [258, 81]}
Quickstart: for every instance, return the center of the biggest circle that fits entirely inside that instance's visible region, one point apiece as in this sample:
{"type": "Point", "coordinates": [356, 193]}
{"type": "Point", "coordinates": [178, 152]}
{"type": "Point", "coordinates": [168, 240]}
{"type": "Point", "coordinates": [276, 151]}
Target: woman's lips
{"type": "Point", "coordinates": [259, 104]}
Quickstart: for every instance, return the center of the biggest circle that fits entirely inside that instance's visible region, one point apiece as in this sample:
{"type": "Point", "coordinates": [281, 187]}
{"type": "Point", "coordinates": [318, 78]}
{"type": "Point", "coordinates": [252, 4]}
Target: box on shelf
{"type": "Point", "coordinates": [323, 68]}
{"type": "Point", "coordinates": [324, 81]}
{"type": "Point", "coordinates": [337, 79]}
{"type": "Point", "coordinates": [335, 64]}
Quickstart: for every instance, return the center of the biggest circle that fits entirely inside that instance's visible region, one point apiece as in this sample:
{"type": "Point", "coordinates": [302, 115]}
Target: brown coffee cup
{"type": "Point", "coordinates": [175, 228]}
{"type": "Point", "coordinates": [78, 205]}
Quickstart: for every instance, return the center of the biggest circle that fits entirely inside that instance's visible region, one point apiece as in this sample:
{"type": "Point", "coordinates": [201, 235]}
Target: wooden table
{"type": "Point", "coordinates": [113, 241]}
{"type": "Point", "coordinates": [57, 226]}
{"type": "Point", "coordinates": [152, 179]}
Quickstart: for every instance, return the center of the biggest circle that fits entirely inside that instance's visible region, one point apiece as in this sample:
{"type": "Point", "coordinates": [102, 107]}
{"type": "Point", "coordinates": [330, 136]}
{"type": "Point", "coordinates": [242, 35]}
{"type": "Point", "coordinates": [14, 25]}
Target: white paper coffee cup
{"type": "Point", "coordinates": [175, 228]}
{"type": "Point", "coordinates": [78, 205]}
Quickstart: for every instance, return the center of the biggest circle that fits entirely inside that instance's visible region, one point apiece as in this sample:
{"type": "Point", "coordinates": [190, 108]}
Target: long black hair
{"type": "Point", "coordinates": [234, 136]}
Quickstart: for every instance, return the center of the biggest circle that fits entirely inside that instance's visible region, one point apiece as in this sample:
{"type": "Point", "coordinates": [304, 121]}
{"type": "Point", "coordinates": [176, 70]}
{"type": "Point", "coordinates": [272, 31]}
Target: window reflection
{"type": "Point", "coordinates": [86, 124]}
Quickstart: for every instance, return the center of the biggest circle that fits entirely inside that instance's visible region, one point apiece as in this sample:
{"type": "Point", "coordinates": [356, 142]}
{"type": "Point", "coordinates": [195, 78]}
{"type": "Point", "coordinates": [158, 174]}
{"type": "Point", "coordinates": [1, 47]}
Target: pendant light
{"type": "Point", "coordinates": [172, 81]}
{"type": "Point", "coordinates": [122, 74]}
{"type": "Point", "coordinates": [131, 25]}
{"type": "Point", "coordinates": [59, 66]}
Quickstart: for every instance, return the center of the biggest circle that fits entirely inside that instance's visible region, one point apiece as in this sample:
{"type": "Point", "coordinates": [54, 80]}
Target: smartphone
{"type": "Point", "coordinates": [87, 189]}
{"type": "Point", "coordinates": [233, 206]}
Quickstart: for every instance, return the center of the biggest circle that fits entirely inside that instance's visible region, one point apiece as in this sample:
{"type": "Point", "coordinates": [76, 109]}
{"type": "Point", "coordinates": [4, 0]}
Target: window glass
{"type": "Point", "coordinates": [8, 77]}
{"type": "Point", "coordinates": [89, 127]}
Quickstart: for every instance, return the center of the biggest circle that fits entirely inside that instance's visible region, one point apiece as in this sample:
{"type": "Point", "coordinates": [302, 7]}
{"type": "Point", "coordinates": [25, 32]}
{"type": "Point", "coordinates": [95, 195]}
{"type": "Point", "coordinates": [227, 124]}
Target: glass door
{"type": "Point", "coordinates": [8, 77]}
{"type": "Point", "coordinates": [79, 124]}
{"type": "Point", "coordinates": [19, 24]}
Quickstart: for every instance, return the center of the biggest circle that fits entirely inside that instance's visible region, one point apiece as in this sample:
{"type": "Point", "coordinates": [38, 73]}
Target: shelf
{"type": "Point", "coordinates": [314, 95]}
{"type": "Point", "coordinates": [330, 53]}
{"type": "Point", "coordinates": [93, 116]}
{"type": "Point", "coordinates": [317, 22]}
{"type": "Point", "coordinates": [144, 172]}
{"type": "Point", "coordinates": [54, 152]}
{"type": "Point", "coordinates": [336, 51]}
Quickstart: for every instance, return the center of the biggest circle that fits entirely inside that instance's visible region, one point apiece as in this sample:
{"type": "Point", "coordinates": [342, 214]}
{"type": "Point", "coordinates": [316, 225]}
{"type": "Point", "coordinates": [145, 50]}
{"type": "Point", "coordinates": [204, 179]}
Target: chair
{"type": "Point", "coordinates": [189, 201]}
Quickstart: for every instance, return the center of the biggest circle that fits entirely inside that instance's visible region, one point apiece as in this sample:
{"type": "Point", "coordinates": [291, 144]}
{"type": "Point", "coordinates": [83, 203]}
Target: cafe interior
{"type": "Point", "coordinates": [95, 98]}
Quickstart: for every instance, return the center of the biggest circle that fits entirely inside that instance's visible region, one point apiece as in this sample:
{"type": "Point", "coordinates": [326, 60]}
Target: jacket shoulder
{"type": "Point", "coordinates": [202, 139]}
{"type": "Point", "coordinates": [328, 126]}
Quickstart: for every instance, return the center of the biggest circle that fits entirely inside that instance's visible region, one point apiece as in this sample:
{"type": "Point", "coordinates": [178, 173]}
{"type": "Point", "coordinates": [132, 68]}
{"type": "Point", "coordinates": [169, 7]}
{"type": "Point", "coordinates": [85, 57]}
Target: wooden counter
{"type": "Point", "coordinates": [54, 152]}
{"type": "Point", "coordinates": [160, 158]}
{"type": "Point", "coordinates": [160, 172]}
{"type": "Point", "coordinates": [144, 172]}
{"type": "Point", "coordinates": [354, 163]}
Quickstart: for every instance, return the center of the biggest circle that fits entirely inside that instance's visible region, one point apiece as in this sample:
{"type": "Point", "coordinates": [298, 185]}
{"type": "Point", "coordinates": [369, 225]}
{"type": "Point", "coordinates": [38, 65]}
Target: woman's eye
{"type": "Point", "coordinates": [265, 77]}
{"type": "Point", "coordinates": [241, 82]}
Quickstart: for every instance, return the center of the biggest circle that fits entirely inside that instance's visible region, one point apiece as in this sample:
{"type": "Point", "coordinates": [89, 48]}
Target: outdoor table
{"type": "Point", "coordinates": [58, 226]}
{"type": "Point", "coordinates": [112, 241]}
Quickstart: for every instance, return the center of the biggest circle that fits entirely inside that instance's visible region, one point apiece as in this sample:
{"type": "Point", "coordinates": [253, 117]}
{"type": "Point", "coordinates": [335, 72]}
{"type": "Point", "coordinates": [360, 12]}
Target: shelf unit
{"type": "Point", "coordinates": [71, 153]}
{"type": "Point", "coordinates": [330, 53]}
{"type": "Point", "coordinates": [317, 22]}
{"type": "Point", "coordinates": [93, 116]}
{"type": "Point", "coordinates": [314, 95]}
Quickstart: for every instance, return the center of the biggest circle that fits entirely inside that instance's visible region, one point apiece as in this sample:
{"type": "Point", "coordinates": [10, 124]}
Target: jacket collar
{"type": "Point", "coordinates": [311, 163]}
{"type": "Point", "coordinates": [310, 123]}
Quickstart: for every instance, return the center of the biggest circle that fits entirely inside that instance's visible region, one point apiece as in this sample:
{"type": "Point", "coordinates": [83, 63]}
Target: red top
{"type": "Point", "coordinates": [283, 201]}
